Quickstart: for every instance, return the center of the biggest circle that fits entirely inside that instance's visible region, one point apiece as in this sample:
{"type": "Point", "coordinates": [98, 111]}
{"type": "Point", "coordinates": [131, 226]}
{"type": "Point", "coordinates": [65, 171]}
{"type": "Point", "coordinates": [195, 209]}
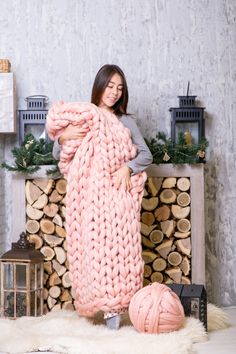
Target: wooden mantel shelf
{"type": "Point", "coordinates": [182, 170]}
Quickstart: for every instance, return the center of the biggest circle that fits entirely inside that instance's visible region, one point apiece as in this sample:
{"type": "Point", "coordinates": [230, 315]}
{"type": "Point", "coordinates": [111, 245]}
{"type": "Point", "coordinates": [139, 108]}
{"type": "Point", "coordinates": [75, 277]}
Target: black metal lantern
{"type": "Point", "coordinates": [193, 297]}
{"type": "Point", "coordinates": [21, 280]}
{"type": "Point", "coordinates": [188, 119]}
{"type": "Point", "coordinates": [194, 300]}
{"type": "Point", "coordinates": [34, 117]}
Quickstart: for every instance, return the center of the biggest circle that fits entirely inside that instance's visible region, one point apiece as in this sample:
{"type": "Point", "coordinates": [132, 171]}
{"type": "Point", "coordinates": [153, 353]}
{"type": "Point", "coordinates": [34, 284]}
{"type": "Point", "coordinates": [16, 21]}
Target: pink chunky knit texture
{"type": "Point", "coordinates": [156, 309]}
{"type": "Point", "coordinates": [102, 219]}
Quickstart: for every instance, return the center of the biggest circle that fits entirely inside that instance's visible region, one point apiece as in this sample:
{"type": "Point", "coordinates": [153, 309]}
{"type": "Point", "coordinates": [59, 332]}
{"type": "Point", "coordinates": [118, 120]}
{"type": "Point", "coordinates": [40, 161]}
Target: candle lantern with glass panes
{"type": "Point", "coordinates": [187, 119]}
{"type": "Point", "coordinates": [32, 120]}
{"type": "Point", "coordinates": [21, 280]}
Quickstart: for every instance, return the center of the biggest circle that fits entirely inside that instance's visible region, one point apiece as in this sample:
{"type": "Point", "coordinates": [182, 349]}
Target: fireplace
{"type": "Point", "coordinates": [190, 196]}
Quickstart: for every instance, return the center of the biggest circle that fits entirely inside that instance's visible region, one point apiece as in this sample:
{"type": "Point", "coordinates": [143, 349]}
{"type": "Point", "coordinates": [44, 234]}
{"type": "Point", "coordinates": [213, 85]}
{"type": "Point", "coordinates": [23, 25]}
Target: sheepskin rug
{"type": "Point", "coordinates": [65, 332]}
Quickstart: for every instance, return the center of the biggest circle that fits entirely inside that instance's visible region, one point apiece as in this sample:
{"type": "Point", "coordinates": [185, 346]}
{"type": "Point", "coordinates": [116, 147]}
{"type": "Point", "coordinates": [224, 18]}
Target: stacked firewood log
{"type": "Point", "coordinates": [45, 226]}
{"type": "Point", "coordinates": [166, 230]}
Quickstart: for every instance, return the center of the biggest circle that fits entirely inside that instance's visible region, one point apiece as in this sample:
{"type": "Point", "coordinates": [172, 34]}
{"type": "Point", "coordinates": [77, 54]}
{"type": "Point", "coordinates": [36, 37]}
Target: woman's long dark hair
{"type": "Point", "coordinates": [101, 81]}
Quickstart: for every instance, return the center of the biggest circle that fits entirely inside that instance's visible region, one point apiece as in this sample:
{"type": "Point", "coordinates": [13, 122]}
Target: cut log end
{"type": "Point", "coordinates": [184, 246]}
{"type": "Point", "coordinates": [61, 186]}
{"type": "Point", "coordinates": [156, 236]}
{"type": "Point", "coordinates": [162, 213]}
{"type": "Point", "coordinates": [168, 227]}
{"type": "Point", "coordinates": [147, 218]}
{"type": "Point", "coordinates": [47, 226]}
{"type": "Point", "coordinates": [150, 204]}
{"type": "Point", "coordinates": [174, 258]}
{"type": "Point", "coordinates": [169, 182]}
{"type": "Point", "coordinates": [47, 252]}
{"type": "Point", "coordinates": [148, 256]}
{"type": "Point", "coordinates": [154, 185]}
{"type": "Point", "coordinates": [145, 229]}
{"type": "Point", "coordinates": [45, 185]}
{"type": "Point", "coordinates": [183, 225]}
{"type": "Point", "coordinates": [147, 271]}
{"type": "Point", "coordinates": [159, 264]}
{"type": "Point", "coordinates": [33, 213]}
{"type": "Point", "coordinates": [175, 274]}
{"type": "Point", "coordinates": [183, 184]}
{"type": "Point", "coordinates": [36, 240]}
{"type": "Point", "coordinates": [183, 199]}
{"type": "Point", "coordinates": [66, 280]}
{"type": "Point", "coordinates": [32, 192]}
{"type": "Point", "coordinates": [51, 209]}
{"type": "Point", "coordinates": [164, 248]}
{"type": "Point", "coordinates": [179, 212]}
{"type": "Point", "coordinates": [55, 291]}
{"type": "Point", "coordinates": [168, 196]}
{"type": "Point", "coordinates": [32, 226]}
{"type": "Point", "coordinates": [157, 277]}
{"type": "Point", "coordinates": [147, 243]}
{"type": "Point", "coordinates": [185, 266]}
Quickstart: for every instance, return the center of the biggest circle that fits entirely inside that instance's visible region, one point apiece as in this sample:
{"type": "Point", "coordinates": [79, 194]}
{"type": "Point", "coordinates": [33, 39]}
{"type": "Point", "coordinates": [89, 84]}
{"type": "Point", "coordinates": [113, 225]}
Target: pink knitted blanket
{"type": "Point", "coordinates": [102, 219]}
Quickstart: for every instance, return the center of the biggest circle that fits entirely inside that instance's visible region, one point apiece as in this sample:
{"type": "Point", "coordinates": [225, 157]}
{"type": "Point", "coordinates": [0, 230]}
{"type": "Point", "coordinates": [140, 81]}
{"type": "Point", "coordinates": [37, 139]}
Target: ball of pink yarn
{"type": "Point", "coordinates": [156, 309]}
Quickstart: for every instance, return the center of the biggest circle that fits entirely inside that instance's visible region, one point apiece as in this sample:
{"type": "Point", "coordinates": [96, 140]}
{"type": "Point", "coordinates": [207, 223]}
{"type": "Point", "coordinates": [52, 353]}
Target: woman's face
{"type": "Point", "coordinates": [112, 93]}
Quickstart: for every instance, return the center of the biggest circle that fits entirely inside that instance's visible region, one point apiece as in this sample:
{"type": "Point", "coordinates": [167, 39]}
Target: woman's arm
{"type": "Point", "coordinates": [144, 157]}
{"type": "Point", "coordinates": [71, 132]}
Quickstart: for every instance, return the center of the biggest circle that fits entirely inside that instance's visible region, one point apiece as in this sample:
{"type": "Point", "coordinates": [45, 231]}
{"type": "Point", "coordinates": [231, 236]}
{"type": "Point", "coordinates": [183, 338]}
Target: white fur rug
{"type": "Point", "coordinates": [65, 332]}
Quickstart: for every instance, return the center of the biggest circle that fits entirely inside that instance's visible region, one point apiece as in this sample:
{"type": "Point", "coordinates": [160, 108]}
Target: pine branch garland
{"type": "Point", "coordinates": [166, 151]}
{"type": "Point", "coordinates": [33, 153]}
{"type": "Point", "coordinates": [30, 155]}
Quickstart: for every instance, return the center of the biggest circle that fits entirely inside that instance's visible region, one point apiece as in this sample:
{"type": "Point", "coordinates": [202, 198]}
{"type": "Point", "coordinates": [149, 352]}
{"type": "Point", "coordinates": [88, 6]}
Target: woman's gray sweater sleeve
{"type": "Point", "coordinates": [144, 157]}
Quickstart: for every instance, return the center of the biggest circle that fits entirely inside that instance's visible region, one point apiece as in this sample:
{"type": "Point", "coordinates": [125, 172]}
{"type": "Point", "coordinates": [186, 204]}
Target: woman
{"type": "Point", "coordinates": [108, 135]}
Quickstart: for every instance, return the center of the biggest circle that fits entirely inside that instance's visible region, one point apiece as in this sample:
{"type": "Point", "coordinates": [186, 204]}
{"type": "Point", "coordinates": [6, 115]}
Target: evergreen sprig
{"type": "Point", "coordinates": [166, 151]}
{"type": "Point", "coordinates": [30, 155]}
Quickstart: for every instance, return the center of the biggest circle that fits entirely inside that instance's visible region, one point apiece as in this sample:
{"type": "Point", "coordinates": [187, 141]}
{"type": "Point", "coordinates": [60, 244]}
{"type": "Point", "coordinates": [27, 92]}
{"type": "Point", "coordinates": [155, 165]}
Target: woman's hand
{"type": "Point", "coordinates": [122, 177]}
{"type": "Point", "coordinates": [73, 132]}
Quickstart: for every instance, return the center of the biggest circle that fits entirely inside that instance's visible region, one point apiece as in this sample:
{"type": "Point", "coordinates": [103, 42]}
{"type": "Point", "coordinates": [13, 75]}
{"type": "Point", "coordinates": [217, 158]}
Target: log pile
{"type": "Point", "coordinates": [45, 221]}
{"type": "Point", "coordinates": [166, 230]}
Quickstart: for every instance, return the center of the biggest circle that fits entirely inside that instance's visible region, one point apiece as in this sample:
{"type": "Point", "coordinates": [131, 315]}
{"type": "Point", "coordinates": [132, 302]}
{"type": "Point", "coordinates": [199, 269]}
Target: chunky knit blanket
{"type": "Point", "coordinates": [102, 219]}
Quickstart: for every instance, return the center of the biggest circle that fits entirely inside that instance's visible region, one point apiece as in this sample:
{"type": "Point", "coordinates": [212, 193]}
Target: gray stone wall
{"type": "Point", "coordinates": [57, 46]}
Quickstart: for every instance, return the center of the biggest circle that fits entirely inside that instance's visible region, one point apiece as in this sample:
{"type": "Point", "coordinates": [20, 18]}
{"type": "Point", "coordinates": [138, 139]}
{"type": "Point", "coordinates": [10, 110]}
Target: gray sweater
{"type": "Point", "coordinates": [143, 158]}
